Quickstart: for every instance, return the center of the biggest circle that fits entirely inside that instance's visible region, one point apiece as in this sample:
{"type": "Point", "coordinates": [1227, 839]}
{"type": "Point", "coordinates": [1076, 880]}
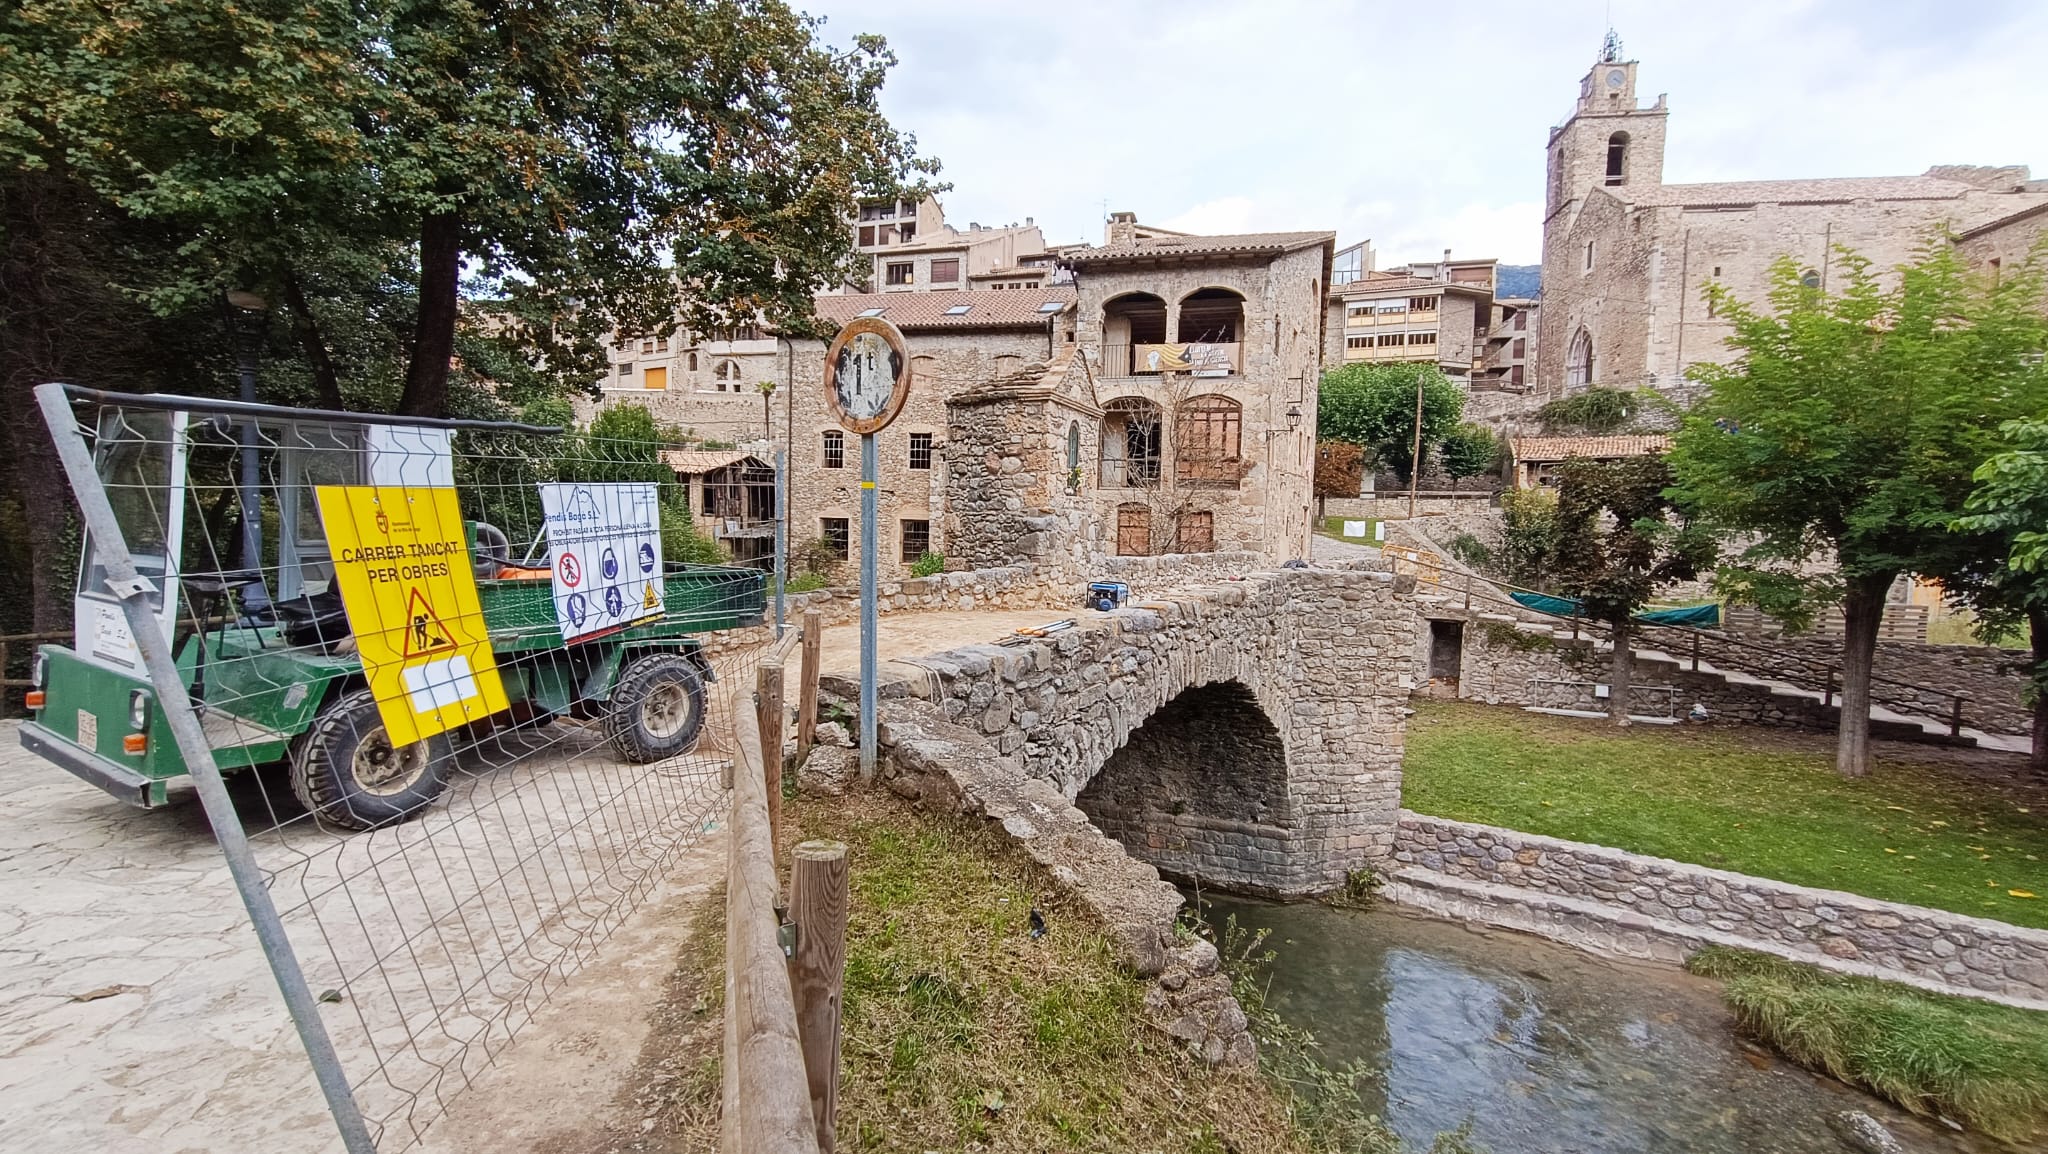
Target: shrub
{"type": "Point", "coordinates": [928, 564]}
{"type": "Point", "coordinates": [805, 582]}
{"type": "Point", "coordinates": [818, 559]}
{"type": "Point", "coordinates": [1527, 537]}
{"type": "Point", "coordinates": [1595, 412]}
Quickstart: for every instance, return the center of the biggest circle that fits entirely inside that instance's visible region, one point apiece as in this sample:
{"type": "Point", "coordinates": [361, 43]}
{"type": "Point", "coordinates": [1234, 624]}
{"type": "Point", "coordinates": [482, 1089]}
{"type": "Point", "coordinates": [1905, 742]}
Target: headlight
{"type": "Point", "coordinates": [138, 709]}
{"type": "Point", "coordinates": [35, 670]}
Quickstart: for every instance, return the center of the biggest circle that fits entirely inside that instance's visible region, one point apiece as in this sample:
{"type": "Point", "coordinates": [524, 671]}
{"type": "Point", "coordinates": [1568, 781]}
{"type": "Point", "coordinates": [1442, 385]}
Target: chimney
{"type": "Point", "coordinates": [1444, 272]}
{"type": "Point", "coordinates": [1123, 228]}
{"type": "Point", "coordinates": [1029, 223]}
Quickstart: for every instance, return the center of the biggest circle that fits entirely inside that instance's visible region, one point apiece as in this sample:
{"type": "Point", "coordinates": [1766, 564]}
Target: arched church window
{"type": "Point", "coordinates": [1578, 361]}
{"type": "Point", "coordinates": [1617, 158]}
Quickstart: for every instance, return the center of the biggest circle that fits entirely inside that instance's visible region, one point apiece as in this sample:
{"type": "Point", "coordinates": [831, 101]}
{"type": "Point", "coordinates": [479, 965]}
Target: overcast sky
{"type": "Point", "coordinates": [1420, 132]}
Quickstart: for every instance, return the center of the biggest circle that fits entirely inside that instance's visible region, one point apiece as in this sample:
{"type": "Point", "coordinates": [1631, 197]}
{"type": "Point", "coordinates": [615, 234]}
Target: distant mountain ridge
{"type": "Point", "coordinates": [1518, 280]}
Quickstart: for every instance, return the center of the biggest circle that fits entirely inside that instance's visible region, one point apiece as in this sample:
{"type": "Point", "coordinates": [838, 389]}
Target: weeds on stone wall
{"type": "Point", "coordinates": [1360, 891]}
{"type": "Point", "coordinates": [1504, 636]}
{"type": "Point", "coordinates": [928, 564]}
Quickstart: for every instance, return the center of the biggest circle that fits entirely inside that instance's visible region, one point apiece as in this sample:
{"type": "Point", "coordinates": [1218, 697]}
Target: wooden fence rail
{"type": "Point", "coordinates": [782, 976]}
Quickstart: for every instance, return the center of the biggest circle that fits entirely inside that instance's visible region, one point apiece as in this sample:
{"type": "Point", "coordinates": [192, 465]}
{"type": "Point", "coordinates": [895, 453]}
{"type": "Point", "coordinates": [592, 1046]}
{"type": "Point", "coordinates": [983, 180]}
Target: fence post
{"type": "Point", "coordinates": [817, 904]}
{"type": "Point", "coordinates": [768, 709]}
{"type": "Point", "coordinates": [1955, 716]}
{"type": "Point", "coordinates": [1827, 696]}
{"type": "Point", "coordinates": [126, 583]}
{"type": "Point", "coordinates": [807, 683]}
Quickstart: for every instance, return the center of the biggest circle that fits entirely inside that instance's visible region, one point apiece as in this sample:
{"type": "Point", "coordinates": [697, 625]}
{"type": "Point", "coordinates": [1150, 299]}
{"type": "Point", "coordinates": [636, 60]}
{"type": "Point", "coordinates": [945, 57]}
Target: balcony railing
{"type": "Point", "coordinates": [1200, 359]}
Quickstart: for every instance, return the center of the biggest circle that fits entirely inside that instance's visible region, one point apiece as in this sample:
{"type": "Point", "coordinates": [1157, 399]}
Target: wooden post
{"type": "Point", "coordinates": [807, 683]}
{"type": "Point", "coordinates": [817, 904]}
{"type": "Point", "coordinates": [1827, 696]}
{"type": "Point", "coordinates": [1695, 653]}
{"type": "Point", "coordinates": [1955, 716]}
{"type": "Point", "coordinates": [768, 711]}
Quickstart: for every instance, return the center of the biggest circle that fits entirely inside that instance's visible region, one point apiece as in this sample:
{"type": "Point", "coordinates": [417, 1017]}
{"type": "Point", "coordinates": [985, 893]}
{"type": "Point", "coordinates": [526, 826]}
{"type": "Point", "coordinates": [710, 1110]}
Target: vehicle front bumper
{"type": "Point", "coordinates": [111, 776]}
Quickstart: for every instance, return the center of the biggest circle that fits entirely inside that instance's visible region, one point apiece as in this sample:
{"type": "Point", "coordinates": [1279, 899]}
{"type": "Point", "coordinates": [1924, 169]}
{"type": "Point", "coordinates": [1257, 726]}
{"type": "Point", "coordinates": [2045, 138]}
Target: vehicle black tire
{"type": "Point", "coordinates": [345, 771]}
{"type": "Point", "coordinates": [657, 708]}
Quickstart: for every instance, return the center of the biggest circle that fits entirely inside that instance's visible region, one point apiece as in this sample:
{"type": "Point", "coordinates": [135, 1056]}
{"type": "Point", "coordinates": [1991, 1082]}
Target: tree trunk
{"type": "Point", "coordinates": [307, 329]}
{"type": "Point", "coordinates": [1624, 672]}
{"type": "Point", "coordinates": [1862, 610]}
{"type": "Point", "coordinates": [433, 343]}
{"type": "Point", "coordinates": [2037, 624]}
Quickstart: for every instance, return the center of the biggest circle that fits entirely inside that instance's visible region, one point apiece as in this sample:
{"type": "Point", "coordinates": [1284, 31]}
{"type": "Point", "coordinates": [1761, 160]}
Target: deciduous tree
{"type": "Point", "coordinates": [1841, 441]}
{"type": "Point", "coordinates": [1374, 405]}
{"type": "Point", "coordinates": [1618, 541]}
{"type": "Point", "coordinates": [2010, 506]}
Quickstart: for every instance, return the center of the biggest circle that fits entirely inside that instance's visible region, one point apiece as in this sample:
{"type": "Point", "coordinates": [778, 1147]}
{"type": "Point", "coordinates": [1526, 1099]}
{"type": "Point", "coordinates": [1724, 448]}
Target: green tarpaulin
{"type": "Point", "coordinates": [1697, 616]}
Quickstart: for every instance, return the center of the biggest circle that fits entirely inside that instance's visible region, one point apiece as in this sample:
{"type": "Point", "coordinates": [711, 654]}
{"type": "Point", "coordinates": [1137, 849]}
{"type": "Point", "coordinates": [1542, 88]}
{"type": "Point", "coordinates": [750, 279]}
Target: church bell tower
{"type": "Point", "coordinates": [1609, 140]}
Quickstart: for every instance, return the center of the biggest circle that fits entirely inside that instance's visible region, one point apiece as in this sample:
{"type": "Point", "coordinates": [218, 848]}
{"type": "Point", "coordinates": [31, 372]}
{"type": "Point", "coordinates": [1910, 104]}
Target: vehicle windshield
{"type": "Point", "coordinates": [135, 461]}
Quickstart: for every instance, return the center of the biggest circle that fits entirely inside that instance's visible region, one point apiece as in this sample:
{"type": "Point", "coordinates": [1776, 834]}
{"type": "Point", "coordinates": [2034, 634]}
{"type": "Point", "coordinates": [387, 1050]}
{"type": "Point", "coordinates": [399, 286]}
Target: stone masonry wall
{"type": "Point", "coordinates": [1200, 790]}
{"type": "Point", "coordinates": [1652, 907]}
{"type": "Point", "coordinates": [1326, 655]}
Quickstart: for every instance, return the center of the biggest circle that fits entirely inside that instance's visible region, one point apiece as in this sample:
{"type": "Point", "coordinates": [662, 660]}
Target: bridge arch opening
{"type": "Point", "coordinates": [1200, 791]}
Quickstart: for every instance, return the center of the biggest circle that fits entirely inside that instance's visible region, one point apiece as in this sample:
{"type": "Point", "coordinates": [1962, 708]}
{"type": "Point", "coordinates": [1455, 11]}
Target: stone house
{"type": "Point", "coordinates": [1626, 256]}
{"type": "Point", "coordinates": [732, 499]}
{"type": "Point", "coordinates": [1181, 419]}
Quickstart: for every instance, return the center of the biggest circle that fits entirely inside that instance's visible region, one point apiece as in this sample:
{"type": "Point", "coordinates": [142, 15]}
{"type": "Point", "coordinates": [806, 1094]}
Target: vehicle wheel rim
{"type": "Point", "coordinates": [665, 711]}
{"type": "Point", "coordinates": [382, 770]}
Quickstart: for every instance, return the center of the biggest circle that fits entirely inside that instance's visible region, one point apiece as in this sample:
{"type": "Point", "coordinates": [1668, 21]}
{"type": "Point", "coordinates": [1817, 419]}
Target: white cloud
{"type": "Point", "coordinates": [1425, 128]}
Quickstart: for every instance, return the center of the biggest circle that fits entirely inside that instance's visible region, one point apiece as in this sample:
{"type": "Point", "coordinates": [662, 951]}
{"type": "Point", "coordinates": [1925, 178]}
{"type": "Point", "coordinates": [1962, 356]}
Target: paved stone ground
{"type": "Point", "coordinates": [1332, 549]}
{"type": "Point", "coordinates": [137, 1014]}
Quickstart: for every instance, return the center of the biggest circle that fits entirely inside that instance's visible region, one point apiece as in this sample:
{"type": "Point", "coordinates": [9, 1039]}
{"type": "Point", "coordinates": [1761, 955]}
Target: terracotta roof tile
{"type": "Point", "coordinates": [987, 308]}
{"type": "Point", "coordinates": [692, 462]}
{"type": "Point", "coordinates": [1246, 243]}
{"type": "Point", "coordinates": [1562, 448]}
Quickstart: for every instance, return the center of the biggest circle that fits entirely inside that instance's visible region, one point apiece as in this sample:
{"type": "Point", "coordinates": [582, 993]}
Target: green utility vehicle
{"type": "Point", "coordinates": [263, 646]}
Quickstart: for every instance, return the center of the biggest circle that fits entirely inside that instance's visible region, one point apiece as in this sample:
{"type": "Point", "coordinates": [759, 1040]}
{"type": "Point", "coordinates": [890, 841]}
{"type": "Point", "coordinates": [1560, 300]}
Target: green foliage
{"type": "Point", "coordinates": [1595, 412]}
{"type": "Point", "coordinates": [1852, 422]}
{"type": "Point", "coordinates": [817, 558]}
{"type": "Point", "coordinates": [805, 582]}
{"type": "Point", "coordinates": [1468, 451]}
{"type": "Point", "coordinates": [1617, 541]}
{"type": "Point", "coordinates": [1768, 804]}
{"type": "Point", "coordinates": [1976, 1062]}
{"type": "Point", "coordinates": [1470, 550]}
{"type": "Point", "coordinates": [1374, 406]}
{"type": "Point", "coordinates": [2009, 510]}
{"type": "Point", "coordinates": [1528, 536]}
{"type": "Point", "coordinates": [928, 564]}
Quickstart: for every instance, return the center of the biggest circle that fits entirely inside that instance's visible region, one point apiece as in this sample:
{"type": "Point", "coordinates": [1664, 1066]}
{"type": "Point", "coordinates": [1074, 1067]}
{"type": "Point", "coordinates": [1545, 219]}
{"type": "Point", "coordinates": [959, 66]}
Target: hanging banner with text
{"type": "Point", "coordinates": [604, 542]}
{"type": "Point", "coordinates": [401, 563]}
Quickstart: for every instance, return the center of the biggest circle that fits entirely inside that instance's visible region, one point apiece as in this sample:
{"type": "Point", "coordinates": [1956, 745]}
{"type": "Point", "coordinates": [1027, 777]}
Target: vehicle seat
{"type": "Point", "coordinates": [317, 621]}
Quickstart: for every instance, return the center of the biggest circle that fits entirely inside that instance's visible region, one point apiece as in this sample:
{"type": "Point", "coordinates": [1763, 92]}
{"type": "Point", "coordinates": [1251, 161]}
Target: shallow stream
{"type": "Point", "coordinates": [1543, 1048]}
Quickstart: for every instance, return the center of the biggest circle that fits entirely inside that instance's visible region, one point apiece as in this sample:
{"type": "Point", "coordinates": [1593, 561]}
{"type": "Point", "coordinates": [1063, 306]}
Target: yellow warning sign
{"type": "Point", "coordinates": [650, 599]}
{"type": "Point", "coordinates": [401, 562]}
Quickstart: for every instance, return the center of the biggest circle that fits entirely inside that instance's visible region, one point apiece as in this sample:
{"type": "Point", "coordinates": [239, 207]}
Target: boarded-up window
{"type": "Point", "coordinates": [1196, 533]}
{"type": "Point", "coordinates": [1208, 435]}
{"type": "Point", "coordinates": [1133, 531]}
{"type": "Point", "coordinates": [946, 271]}
{"type": "Point", "coordinates": [655, 378]}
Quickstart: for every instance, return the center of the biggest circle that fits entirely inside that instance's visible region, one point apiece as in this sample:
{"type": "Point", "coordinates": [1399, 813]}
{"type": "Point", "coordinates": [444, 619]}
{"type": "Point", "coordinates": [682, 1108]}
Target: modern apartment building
{"type": "Point", "coordinates": [1440, 312]}
{"type": "Point", "coordinates": [911, 248]}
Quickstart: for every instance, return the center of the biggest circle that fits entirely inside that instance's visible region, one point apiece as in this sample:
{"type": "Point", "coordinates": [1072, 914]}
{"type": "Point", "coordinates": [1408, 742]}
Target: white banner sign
{"type": "Point", "coordinates": [604, 543]}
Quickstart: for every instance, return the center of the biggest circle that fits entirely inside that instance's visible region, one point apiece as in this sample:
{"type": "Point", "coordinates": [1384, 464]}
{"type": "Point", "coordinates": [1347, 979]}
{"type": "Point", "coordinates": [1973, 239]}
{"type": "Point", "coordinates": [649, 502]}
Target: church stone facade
{"type": "Point", "coordinates": [1626, 256]}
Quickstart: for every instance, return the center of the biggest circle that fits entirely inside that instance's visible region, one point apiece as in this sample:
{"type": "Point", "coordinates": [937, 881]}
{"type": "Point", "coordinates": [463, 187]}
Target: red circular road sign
{"type": "Point", "coordinates": [572, 570]}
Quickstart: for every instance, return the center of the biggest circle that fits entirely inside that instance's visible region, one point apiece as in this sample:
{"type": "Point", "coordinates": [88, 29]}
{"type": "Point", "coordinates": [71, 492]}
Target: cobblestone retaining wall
{"type": "Point", "coordinates": [1650, 907]}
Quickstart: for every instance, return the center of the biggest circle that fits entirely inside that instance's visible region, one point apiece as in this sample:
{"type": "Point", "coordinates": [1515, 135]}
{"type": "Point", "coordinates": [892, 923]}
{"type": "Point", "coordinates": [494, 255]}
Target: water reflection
{"type": "Point", "coordinates": [1543, 1049]}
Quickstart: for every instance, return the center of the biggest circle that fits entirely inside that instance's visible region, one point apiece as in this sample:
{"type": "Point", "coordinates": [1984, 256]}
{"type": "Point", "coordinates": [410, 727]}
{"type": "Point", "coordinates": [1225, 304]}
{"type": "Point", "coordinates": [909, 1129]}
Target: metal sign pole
{"type": "Point", "coordinates": [781, 536]}
{"type": "Point", "coordinates": [133, 589]}
{"type": "Point", "coordinates": [868, 588]}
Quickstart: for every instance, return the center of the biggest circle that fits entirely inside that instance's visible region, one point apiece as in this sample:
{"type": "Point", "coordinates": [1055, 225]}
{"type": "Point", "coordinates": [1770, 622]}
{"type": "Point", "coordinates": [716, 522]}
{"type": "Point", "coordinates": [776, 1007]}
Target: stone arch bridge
{"type": "Point", "coordinates": [1245, 734]}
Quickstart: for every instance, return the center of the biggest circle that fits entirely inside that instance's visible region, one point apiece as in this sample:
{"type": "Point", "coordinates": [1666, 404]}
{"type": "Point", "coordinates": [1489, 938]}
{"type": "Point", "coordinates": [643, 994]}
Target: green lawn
{"type": "Point", "coordinates": [1334, 527]}
{"type": "Point", "coordinates": [1924, 828]}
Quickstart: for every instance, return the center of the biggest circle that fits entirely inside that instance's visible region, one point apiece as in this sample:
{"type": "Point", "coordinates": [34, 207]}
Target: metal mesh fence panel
{"type": "Point", "coordinates": [459, 770]}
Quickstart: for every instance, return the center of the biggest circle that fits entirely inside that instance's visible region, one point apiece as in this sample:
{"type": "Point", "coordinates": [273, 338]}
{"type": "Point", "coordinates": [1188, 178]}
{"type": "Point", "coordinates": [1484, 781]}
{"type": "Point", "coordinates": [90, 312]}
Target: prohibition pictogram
{"type": "Point", "coordinates": [571, 570]}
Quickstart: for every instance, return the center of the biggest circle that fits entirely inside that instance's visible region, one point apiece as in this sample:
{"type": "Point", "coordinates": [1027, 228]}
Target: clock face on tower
{"type": "Point", "coordinates": [1616, 78]}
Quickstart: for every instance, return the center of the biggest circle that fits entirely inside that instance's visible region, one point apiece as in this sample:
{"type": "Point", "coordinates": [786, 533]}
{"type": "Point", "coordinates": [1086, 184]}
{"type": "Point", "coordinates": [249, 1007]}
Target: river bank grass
{"type": "Point", "coordinates": [962, 1031]}
{"type": "Point", "coordinates": [1981, 1064]}
{"type": "Point", "coordinates": [1932, 827]}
